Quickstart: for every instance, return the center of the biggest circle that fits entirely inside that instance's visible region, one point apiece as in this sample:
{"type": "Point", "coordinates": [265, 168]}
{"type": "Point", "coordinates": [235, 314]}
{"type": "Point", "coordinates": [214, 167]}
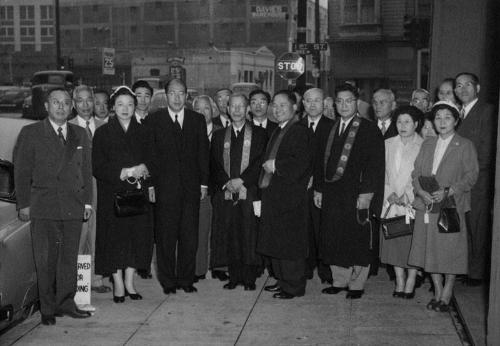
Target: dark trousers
{"type": "Point", "coordinates": [290, 275]}
{"type": "Point", "coordinates": [313, 261]}
{"type": "Point", "coordinates": [479, 224]}
{"type": "Point", "coordinates": [177, 242]}
{"type": "Point", "coordinates": [55, 249]}
{"type": "Point", "coordinates": [242, 273]}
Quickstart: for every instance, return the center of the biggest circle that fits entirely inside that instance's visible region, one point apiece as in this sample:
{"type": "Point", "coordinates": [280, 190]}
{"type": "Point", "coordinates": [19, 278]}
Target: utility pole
{"type": "Point", "coordinates": [58, 38]}
{"type": "Point", "coordinates": [301, 38]}
{"type": "Point", "coordinates": [317, 53]}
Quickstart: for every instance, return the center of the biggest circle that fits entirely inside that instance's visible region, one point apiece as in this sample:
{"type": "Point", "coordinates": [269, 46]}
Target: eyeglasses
{"type": "Point", "coordinates": [255, 102]}
{"type": "Point", "coordinates": [348, 102]}
{"type": "Point", "coordinates": [56, 103]}
{"type": "Point", "coordinates": [176, 93]}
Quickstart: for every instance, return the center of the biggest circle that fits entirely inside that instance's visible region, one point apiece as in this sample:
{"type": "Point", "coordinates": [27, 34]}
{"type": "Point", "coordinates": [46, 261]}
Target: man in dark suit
{"type": "Point", "coordinates": [384, 103]}
{"type": "Point", "coordinates": [236, 159]}
{"type": "Point", "coordinates": [222, 100]}
{"type": "Point", "coordinates": [259, 105]}
{"type": "Point", "coordinates": [478, 123]}
{"type": "Point", "coordinates": [283, 232]}
{"type": "Point", "coordinates": [54, 190]}
{"type": "Point", "coordinates": [346, 182]}
{"type": "Point", "coordinates": [182, 158]}
{"type": "Point", "coordinates": [318, 126]}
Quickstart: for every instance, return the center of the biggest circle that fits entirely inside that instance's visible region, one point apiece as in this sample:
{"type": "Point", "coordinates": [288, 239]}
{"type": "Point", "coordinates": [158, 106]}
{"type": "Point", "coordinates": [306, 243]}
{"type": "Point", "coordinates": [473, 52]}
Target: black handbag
{"type": "Point", "coordinates": [449, 220]}
{"type": "Point", "coordinates": [395, 227]}
{"type": "Point", "coordinates": [430, 185]}
{"type": "Point", "coordinates": [131, 202]}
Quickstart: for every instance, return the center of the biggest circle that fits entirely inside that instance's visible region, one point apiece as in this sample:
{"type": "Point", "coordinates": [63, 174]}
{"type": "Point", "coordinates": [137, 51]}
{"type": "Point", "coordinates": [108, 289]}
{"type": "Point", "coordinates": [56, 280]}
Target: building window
{"type": "Point", "coordinates": [133, 10]}
{"type": "Point", "coordinates": [158, 4]}
{"type": "Point", "coordinates": [133, 29]}
{"type": "Point", "coordinates": [27, 31]}
{"type": "Point", "coordinates": [7, 13]}
{"type": "Point", "coordinates": [46, 12]}
{"type": "Point", "coordinates": [360, 11]}
{"type": "Point", "coordinates": [27, 12]}
{"type": "Point", "coordinates": [46, 31]}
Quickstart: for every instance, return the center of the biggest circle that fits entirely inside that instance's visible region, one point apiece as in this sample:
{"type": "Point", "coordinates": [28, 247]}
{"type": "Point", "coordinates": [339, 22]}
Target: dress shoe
{"type": "Point", "coordinates": [432, 304]}
{"type": "Point", "coordinates": [101, 289]}
{"type": "Point", "coordinates": [283, 295]}
{"type": "Point", "coordinates": [230, 285]}
{"type": "Point", "coordinates": [133, 296]}
{"type": "Point", "coordinates": [169, 290]}
{"type": "Point", "coordinates": [199, 277]}
{"type": "Point", "coordinates": [354, 294]}
{"type": "Point", "coordinates": [219, 274]}
{"type": "Point", "coordinates": [118, 299]}
{"type": "Point", "coordinates": [48, 320]}
{"type": "Point", "coordinates": [398, 294]}
{"type": "Point", "coordinates": [410, 295]}
{"type": "Point", "coordinates": [188, 289]}
{"type": "Point", "coordinates": [250, 287]}
{"type": "Point", "coordinates": [273, 288]}
{"type": "Point", "coordinates": [332, 290]}
{"type": "Point", "coordinates": [442, 307]}
{"type": "Point", "coordinates": [75, 313]}
{"type": "Point", "coordinates": [144, 273]}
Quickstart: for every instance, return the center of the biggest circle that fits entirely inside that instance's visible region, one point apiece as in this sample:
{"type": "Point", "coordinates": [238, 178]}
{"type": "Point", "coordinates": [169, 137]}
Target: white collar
{"type": "Point", "coordinates": [468, 107]}
{"type": "Point", "coordinates": [282, 125]}
{"type": "Point", "coordinates": [237, 128]}
{"type": "Point", "coordinates": [83, 123]}
{"type": "Point", "coordinates": [263, 123]}
{"type": "Point", "coordinates": [56, 127]}
{"type": "Point", "coordinates": [387, 122]}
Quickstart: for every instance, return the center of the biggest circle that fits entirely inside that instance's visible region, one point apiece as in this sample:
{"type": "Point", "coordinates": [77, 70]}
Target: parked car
{"type": "Point", "coordinates": [28, 107]}
{"type": "Point", "coordinates": [43, 81]}
{"type": "Point", "coordinates": [18, 282]}
{"type": "Point", "coordinates": [12, 100]}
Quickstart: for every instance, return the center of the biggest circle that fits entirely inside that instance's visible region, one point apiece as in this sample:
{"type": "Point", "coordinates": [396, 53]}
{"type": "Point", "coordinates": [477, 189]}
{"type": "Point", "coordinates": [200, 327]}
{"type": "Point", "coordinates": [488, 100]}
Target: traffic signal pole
{"type": "Point", "coordinates": [317, 53]}
{"type": "Point", "coordinates": [301, 38]}
{"type": "Point", "coordinates": [58, 38]}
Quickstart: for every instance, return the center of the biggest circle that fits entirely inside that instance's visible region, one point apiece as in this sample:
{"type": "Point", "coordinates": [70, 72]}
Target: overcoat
{"type": "Point", "coordinates": [283, 229]}
{"type": "Point", "coordinates": [343, 240]}
{"type": "Point", "coordinates": [120, 241]}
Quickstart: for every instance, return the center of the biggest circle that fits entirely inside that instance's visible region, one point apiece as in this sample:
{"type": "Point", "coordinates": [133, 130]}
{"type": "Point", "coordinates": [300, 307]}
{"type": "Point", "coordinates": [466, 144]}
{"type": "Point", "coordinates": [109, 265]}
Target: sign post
{"type": "Point", "coordinates": [290, 66]}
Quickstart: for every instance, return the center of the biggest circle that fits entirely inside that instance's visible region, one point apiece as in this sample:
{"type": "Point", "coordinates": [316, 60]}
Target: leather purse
{"type": "Point", "coordinates": [131, 202]}
{"type": "Point", "coordinates": [449, 220]}
{"type": "Point", "coordinates": [430, 185]}
{"type": "Point", "coordinates": [395, 227]}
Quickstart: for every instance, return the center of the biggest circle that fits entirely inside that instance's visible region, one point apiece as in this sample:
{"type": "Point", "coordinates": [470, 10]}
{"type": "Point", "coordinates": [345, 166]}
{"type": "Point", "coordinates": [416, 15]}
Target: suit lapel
{"type": "Point", "coordinates": [454, 144]}
{"type": "Point", "coordinates": [70, 147]}
{"type": "Point", "coordinates": [50, 138]}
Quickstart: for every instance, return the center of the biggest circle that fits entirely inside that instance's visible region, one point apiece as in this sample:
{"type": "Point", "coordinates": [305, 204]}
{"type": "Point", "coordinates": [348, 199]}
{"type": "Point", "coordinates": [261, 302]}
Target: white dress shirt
{"type": "Point", "coordinates": [225, 121]}
{"type": "Point", "coordinates": [63, 126]}
{"type": "Point", "coordinates": [346, 122]}
{"type": "Point", "coordinates": [387, 123]}
{"type": "Point", "coordinates": [180, 116]}
{"type": "Point", "coordinates": [468, 107]}
{"type": "Point", "coordinates": [140, 119]}
{"type": "Point", "coordinates": [83, 123]}
{"type": "Point", "coordinates": [263, 123]}
{"type": "Point", "coordinates": [315, 122]}
{"type": "Point", "coordinates": [441, 146]}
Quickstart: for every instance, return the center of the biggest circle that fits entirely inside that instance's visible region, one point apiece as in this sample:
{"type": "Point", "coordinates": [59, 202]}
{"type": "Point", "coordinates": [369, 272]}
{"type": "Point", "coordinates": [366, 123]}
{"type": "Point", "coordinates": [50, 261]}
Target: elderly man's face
{"type": "Point", "coordinates": [237, 109]}
{"type": "Point", "coordinates": [313, 103]}
{"type": "Point", "coordinates": [58, 105]}
{"type": "Point", "coordinates": [101, 109]}
{"type": "Point", "coordinates": [421, 101]}
{"type": "Point", "coordinates": [84, 104]}
{"type": "Point", "coordinates": [382, 105]}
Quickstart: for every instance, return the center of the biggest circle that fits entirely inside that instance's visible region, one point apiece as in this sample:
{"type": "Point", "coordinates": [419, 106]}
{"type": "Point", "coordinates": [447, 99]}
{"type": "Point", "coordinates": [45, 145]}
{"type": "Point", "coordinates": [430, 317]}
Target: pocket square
{"type": "Point", "coordinates": [79, 147]}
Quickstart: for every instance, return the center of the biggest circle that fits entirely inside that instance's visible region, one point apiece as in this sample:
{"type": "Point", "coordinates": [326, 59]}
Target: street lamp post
{"type": "Point", "coordinates": [57, 29]}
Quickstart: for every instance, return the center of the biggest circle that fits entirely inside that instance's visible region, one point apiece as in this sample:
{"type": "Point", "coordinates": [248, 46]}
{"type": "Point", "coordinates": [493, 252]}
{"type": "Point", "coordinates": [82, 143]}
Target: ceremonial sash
{"type": "Point", "coordinates": [245, 155]}
{"type": "Point", "coordinates": [272, 150]}
{"type": "Point", "coordinates": [346, 150]}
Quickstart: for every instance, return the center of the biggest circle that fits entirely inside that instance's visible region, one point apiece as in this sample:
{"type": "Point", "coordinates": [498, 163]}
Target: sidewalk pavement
{"type": "Point", "coordinates": [214, 316]}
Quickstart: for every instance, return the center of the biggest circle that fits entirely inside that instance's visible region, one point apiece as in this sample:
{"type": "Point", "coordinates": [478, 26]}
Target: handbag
{"type": "Point", "coordinates": [395, 227]}
{"type": "Point", "coordinates": [131, 202]}
{"type": "Point", "coordinates": [430, 185]}
{"type": "Point", "coordinates": [449, 220]}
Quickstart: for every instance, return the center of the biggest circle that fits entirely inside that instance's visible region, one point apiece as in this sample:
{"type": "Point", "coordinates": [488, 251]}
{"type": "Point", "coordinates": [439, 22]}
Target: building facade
{"type": "Point", "coordinates": [380, 43]}
{"type": "Point", "coordinates": [168, 26]}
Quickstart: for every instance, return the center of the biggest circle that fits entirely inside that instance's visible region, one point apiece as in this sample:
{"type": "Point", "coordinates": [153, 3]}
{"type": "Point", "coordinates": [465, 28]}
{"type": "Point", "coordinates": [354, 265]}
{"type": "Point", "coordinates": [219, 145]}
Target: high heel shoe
{"type": "Point", "coordinates": [398, 294]}
{"type": "Point", "coordinates": [118, 299]}
{"type": "Point", "coordinates": [410, 295]}
{"type": "Point", "coordinates": [133, 296]}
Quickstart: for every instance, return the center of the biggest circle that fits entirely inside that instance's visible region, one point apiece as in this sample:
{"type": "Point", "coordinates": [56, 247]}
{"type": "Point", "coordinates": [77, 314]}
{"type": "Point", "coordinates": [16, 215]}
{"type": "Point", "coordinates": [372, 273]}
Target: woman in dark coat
{"type": "Point", "coordinates": [121, 154]}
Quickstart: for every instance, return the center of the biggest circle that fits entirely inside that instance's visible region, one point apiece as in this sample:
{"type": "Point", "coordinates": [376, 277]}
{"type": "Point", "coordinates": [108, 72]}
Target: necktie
{"type": "Point", "coordinates": [177, 124]}
{"type": "Point", "coordinates": [260, 124]}
{"type": "Point", "coordinates": [61, 136]}
{"type": "Point", "coordinates": [311, 126]}
{"type": "Point", "coordinates": [87, 128]}
{"type": "Point", "coordinates": [227, 123]}
{"type": "Point", "coordinates": [237, 133]}
{"type": "Point", "coordinates": [383, 128]}
{"type": "Point", "coordinates": [462, 113]}
{"type": "Point", "coordinates": [342, 128]}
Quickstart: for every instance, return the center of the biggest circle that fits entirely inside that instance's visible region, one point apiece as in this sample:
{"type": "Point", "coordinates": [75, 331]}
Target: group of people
{"type": "Point", "coordinates": [229, 190]}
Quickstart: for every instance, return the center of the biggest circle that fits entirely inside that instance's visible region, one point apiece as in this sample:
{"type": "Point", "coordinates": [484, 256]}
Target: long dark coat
{"type": "Point", "coordinates": [343, 241]}
{"type": "Point", "coordinates": [283, 232]}
{"type": "Point", "coordinates": [234, 232]}
{"type": "Point", "coordinates": [120, 241]}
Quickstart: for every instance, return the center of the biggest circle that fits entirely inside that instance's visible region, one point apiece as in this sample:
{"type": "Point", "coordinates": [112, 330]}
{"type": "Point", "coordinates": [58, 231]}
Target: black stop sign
{"type": "Point", "coordinates": [290, 65]}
